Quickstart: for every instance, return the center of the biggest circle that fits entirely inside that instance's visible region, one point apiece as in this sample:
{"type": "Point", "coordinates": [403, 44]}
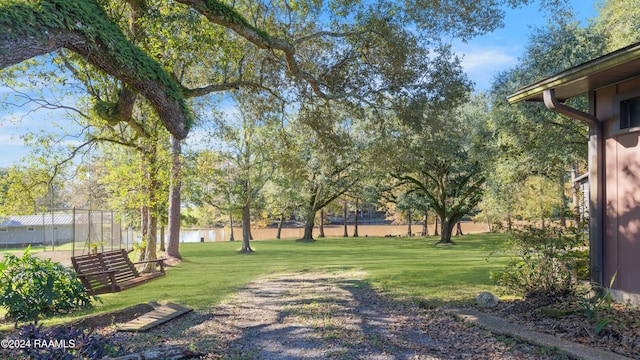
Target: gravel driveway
{"type": "Point", "coordinates": [315, 315]}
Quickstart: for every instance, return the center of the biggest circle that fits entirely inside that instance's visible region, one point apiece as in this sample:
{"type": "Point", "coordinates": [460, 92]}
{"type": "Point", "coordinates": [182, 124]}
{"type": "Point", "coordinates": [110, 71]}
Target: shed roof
{"type": "Point", "coordinates": [620, 65]}
{"type": "Point", "coordinates": [41, 220]}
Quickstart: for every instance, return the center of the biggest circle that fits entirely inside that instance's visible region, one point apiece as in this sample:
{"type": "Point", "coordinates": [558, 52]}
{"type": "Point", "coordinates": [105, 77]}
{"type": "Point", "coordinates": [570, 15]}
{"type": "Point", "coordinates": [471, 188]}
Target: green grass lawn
{"type": "Point", "coordinates": [404, 268]}
{"type": "Point", "coordinates": [18, 251]}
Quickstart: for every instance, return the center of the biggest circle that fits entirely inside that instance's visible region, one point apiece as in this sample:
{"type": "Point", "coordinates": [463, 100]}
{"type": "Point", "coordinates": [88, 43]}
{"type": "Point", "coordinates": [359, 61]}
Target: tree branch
{"type": "Point", "coordinates": [235, 85]}
{"type": "Point", "coordinates": [42, 103]}
{"type": "Point", "coordinates": [320, 34]}
{"type": "Point", "coordinates": [83, 27]}
{"type": "Point", "coordinates": [224, 15]}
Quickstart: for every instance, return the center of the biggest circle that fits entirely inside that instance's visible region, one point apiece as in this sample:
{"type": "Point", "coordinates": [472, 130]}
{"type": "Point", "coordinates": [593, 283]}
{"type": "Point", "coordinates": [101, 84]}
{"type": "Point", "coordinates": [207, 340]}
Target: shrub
{"type": "Point", "coordinates": [547, 261]}
{"type": "Point", "coordinates": [31, 287]}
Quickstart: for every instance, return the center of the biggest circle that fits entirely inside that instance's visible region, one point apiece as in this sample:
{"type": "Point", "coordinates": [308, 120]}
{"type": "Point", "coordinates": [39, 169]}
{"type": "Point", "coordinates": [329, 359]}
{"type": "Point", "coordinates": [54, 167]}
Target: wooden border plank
{"type": "Point", "coordinates": [158, 316]}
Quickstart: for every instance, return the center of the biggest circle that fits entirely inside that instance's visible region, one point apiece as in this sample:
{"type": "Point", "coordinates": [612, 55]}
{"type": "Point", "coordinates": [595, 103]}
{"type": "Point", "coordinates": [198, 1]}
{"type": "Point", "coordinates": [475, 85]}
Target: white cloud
{"type": "Point", "coordinates": [9, 139]}
{"type": "Point", "coordinates": [15, 124]}
{"type": "Point", "coordinates": [493, 60]}
{"type": "Point", "coordinates": [11, 150]}
{"type": "Point", "coordinates": [482, 63]}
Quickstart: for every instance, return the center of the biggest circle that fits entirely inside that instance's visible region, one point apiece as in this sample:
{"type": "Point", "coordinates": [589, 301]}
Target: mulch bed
{"type": "Point", "coordinates": [609, 326]}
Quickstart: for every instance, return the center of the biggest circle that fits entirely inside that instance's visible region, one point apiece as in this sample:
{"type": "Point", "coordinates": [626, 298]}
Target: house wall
{"type": "Point", "coordinates": [621, 198]}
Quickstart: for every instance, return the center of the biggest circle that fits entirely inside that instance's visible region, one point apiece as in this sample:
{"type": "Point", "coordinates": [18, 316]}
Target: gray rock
{"type": "Point", "coordinates": [487, 299]}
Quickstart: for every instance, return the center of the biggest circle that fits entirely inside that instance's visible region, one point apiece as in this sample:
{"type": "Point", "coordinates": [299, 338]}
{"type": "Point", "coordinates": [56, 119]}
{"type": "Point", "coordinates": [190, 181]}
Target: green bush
{"type": "Point", "coordinates": [547, 261]}
{"type": "Point", "coordinates": [31, 287]}
{"type": "Point", "coordinates": [581, 264]}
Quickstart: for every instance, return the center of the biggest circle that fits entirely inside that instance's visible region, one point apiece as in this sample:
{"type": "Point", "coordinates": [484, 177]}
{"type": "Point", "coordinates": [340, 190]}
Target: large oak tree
{"type": "Point", "coordinates": [357, 38]}
{"type": "Point", "coordinates": [365, 53]}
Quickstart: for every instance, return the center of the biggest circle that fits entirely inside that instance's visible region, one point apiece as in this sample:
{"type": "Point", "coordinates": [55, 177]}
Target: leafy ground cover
{"type": "Point", "coordinates": [606, 325]}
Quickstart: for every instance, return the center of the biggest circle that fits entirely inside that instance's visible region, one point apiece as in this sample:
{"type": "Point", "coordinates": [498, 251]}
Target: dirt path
{"type": "Point", "coordinates": [320, 316]}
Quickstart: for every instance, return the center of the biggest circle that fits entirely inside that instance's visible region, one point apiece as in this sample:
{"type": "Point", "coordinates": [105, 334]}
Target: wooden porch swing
{"type": "Point", "coordinates": [112, 271]}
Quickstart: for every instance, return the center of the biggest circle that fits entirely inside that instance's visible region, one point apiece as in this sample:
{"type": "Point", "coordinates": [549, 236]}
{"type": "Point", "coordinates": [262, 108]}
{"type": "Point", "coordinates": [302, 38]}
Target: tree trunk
{"type": "Point", "coordinates": [355, 220]}
{"type": "Point", "coordinates": [162, 247]}
{"type": "Point", "coordinates": [446, 230]}
{"type": "Point", "coordinates": [409, 231]}
{"type": "Point", "coordinates": [321, 234]}
{"type": "Point", "coordinates": [280, 223]}
{"type": "Point", "coordinates": [175, 188]}
{"type": "Point", "coordinates": [310, 217]}
{"type": "Point", "coordinates": [344, 217]}
{"type": "Point", "coordinates": [171, 110]}
{"type": "Point", "coordinates": [144, 228]}
{"type": "Point", "coordinates": [308, 226]}
{"type": "Point", "coordinates": [152, 214]}
{"type": "Point", "coordinates": [435, 225]}
{"type": "Point", "coordinates": [231, 238]}
{"type": "Point", "coordinates": [246, 229]}
{"type": "Point", "coordinates": [459, 229]}
{"type": "Point", "coordinates": [425, 230]}
{"type": "Point", "coordinates": [150, 253]}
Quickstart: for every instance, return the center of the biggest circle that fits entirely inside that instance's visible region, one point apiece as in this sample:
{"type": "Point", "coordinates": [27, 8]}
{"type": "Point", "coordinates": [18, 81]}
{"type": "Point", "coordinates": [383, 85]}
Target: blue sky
{"type": "Point", "coordinates": [483, 58]}
{"type": "Point", "coordinates": [487, 55]}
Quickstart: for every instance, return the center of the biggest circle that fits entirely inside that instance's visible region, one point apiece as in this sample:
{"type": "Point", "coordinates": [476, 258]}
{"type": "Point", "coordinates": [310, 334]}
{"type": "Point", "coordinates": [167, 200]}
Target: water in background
{"type": "Point", "coordinates": [223, 234]}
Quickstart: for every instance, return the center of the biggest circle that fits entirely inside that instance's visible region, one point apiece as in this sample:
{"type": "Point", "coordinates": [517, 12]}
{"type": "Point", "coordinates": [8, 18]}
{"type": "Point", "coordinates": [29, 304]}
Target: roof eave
{"type": "Point", "coordinates": [580, 79]}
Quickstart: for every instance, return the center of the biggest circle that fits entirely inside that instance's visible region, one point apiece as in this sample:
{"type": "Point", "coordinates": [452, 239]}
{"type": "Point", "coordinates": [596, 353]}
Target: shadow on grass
{"type": "Point", "coordinates": [316, 316]}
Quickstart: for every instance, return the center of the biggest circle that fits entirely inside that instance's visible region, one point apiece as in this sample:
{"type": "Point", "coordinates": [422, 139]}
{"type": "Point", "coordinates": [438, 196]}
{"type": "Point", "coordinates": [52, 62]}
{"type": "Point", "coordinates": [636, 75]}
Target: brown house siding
{"type": "Point", "coordinates": [621, 243]}
{"type": "Point", "coordinates": [614, 159]}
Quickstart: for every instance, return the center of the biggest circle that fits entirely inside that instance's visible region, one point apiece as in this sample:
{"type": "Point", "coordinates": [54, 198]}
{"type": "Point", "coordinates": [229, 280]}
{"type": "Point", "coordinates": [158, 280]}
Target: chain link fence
{"type": "Point", "coordinates": [78, 230]}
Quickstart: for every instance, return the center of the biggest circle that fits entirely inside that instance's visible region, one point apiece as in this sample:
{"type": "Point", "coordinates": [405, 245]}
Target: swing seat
{"type": "Point", "coordinates": [112, 271]}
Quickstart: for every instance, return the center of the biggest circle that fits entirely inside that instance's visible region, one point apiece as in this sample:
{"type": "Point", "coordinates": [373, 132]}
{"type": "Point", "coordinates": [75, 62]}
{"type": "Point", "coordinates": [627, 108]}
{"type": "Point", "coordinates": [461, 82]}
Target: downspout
{"type": "Point", "coordinates": [596, 231]}
{"type": "Point", "coordinates": [554, 105]}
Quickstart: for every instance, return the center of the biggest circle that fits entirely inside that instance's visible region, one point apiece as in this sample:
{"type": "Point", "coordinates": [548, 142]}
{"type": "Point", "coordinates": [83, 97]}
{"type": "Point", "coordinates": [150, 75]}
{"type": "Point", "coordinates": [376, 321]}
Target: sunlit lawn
{"type": "Point", "coordinates": [39, 248]}
{"type": "Point", "coordinates": [407, 268]}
